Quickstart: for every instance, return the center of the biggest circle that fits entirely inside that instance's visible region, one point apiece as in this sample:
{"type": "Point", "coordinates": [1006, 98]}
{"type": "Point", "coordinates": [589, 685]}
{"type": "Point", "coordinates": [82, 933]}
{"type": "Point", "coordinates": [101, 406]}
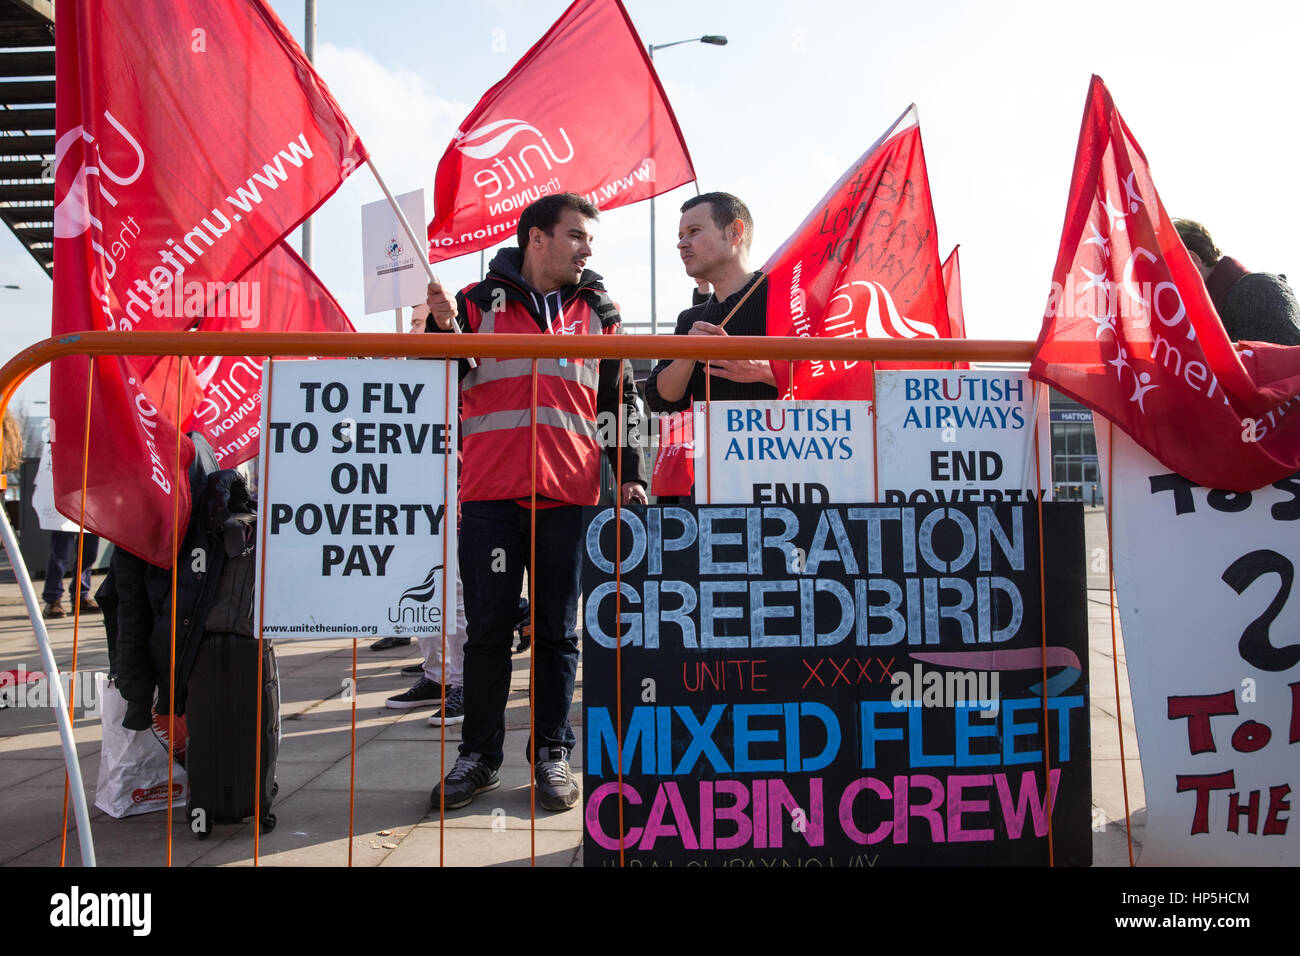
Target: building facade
{"type": "Point", "coordinates": [1075, 469]}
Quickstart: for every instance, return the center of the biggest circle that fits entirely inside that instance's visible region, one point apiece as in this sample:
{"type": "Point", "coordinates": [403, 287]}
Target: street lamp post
{"type": "Point", "coordinates": [309, 47]}
{"type": "Point", "coordinates": [712, 40]}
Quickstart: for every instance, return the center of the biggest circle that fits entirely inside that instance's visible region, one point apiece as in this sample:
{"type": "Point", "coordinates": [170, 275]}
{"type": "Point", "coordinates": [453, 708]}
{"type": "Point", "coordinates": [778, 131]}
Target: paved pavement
{"type": "Point", "coordinates": [396, 761]}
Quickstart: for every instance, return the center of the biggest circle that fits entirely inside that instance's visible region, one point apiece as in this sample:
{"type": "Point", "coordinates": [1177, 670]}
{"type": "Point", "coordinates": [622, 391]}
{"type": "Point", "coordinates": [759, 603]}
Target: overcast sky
{"type": "Point", "coordinates": [797, 94]}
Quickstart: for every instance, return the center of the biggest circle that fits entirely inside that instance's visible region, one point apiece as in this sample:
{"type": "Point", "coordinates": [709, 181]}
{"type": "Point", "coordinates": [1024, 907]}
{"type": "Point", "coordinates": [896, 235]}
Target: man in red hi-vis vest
{"type": "Point", "coordinates": [541, 288]}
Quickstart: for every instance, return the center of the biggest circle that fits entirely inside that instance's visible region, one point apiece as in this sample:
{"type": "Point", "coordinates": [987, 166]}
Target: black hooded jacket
{"type": "Point", "coordinates": [505, 278]}
{"type": "Point", "coordinates": [140, 595]}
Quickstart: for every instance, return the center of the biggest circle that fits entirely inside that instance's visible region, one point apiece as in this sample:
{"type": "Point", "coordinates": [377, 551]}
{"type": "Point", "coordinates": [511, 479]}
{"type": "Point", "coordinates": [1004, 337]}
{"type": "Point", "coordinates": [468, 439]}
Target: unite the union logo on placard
{"type": "Point", "coordinates": [413, 611]}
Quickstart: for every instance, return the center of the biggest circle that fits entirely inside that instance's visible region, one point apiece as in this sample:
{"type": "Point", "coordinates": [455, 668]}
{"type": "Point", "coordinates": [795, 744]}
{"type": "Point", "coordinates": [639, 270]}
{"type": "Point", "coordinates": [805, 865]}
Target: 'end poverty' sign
{"type": "Point", "coordinates": [803, 452]}
{"type": "Point", "coordinates": [932, 436]}
{"type": "Point", "coordinates": [358, 503]}
{"type": "Point", "coordinates": [961, 436]}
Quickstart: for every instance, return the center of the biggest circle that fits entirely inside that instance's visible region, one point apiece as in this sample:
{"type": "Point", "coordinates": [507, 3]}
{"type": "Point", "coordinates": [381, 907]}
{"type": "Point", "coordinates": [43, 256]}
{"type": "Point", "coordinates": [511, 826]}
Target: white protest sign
{"type": "Point", "coordinates": [960, 436]}
{"type": "Point", "coordinates": [358, 505]}
{"type": "Point", "coordinates": [785, 452]}
{"type": "Point", "coordinates": [43, 497]}
{"type": "Point", "coordinates": [393, 276]}
{"type": "Point", "coordinates": [1210, 627]}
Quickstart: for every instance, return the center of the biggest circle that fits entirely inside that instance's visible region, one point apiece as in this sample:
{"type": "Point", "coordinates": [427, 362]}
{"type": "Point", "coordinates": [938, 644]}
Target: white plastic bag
{"type": "Point", "coordinates": [132, 763]}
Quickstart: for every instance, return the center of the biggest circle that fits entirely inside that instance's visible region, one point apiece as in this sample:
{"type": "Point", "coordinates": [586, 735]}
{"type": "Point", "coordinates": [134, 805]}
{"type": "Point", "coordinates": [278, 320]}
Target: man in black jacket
{"type": "Point", "coordinates": [1254, 306]}
{"type": "Point", "coordinates": [714, 239]}
{"type": "Point", "coordinates": [138, 609]}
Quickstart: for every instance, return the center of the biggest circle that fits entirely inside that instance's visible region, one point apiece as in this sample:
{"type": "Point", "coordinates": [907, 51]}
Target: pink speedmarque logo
{"type": "Point", "coordinates": [155, 793]}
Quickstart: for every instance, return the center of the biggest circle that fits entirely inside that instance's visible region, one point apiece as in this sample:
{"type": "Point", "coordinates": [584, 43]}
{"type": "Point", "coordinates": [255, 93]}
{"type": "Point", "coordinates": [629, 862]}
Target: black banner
{"type": "Point", "coordinates": [850, 685]}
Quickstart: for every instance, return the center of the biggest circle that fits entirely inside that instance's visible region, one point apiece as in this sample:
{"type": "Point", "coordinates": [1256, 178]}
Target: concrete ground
{"type": "Point", "coordinates": [396, 764]}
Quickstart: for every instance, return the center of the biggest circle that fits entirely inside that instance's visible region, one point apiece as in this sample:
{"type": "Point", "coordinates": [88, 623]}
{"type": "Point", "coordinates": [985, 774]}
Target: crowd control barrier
{"type": "Point", "coordinates": [528, 347]}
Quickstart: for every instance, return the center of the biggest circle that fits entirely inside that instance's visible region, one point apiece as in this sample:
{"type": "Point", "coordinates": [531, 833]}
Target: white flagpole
{"type": "Point", "coordinates": [76, 786]}
{"type": "Point", "coordinates": [1030, 450]}
{"type": "Point", "coordinates": [410, 234]}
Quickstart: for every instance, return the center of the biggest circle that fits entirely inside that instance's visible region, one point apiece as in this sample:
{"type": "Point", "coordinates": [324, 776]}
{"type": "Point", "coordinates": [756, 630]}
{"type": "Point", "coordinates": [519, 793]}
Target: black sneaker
{"type": "Point", "coordinates": [425, 693]}
{"type": "Point", "coordinates": [454, 713]}
{"type": "Point", "coordinates": [384, 643]}
{"type": "Point", "coordinates": [466, 780]}
{"type": "Point", "coordinates": [415, 670]}
{"type": "Point", "coordinates": [556, 788]}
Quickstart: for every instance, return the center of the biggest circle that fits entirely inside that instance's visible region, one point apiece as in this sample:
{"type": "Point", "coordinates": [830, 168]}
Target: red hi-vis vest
{"type": "Point", "coordinates": [496, 435]}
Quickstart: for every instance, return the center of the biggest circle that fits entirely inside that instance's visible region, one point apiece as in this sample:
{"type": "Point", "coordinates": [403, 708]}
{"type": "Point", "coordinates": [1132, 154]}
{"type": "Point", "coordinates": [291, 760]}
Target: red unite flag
{"type": "Point", "coordinates": [280, 293]}
{"type": "Point", "coordinates": [864, 264]}
{"type": "Point", "coordinates": [192, 135]}
{"type": "Point", "coordinates": [582, 112]}
{"type": "Point", "coordinates": [1130, 331]}
{"type": "Point", "coordinates": [952, 287]}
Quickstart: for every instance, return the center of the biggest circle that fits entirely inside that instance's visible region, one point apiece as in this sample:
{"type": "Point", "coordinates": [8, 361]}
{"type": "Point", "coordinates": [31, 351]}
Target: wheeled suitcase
{"type": "Point", "coordinates": [221, 714]}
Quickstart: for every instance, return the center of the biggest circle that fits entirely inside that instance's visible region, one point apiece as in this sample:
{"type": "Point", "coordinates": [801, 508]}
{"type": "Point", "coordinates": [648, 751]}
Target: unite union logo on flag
{"type": "Point", "coordinates": [520, 164]}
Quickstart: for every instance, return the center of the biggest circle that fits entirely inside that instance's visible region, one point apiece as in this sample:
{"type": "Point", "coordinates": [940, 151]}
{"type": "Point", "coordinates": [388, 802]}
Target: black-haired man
{"type": "Point", "coordinates": [713, 239]}
{"type": "Point", "coordinates": [543, 288]}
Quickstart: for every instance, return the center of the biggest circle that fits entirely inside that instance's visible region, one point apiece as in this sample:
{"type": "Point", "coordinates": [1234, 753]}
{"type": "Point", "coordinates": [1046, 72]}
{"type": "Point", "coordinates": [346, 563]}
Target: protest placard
{"type": "Point", "coordinates": [393, 276]}
{"type": "Point", "coordinates": [772, 452]}
{"type": "Point", "coordinates": [43, 497]}
{"type": "Point", "coordinates": [358, 506]}
{"type": "Point", "coordinates": [836, 685]}
{"type": "Point", "coordinates": [960, 436]}
{"type": "Point", "coordinates": [1203, 581]}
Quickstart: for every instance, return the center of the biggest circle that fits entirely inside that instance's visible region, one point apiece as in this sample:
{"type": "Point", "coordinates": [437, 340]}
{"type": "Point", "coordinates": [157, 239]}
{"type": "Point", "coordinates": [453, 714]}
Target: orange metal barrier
{"type": "Point", "coordinates": [404, 345]}
{"type": "Point", "coordinates": [401, 345]}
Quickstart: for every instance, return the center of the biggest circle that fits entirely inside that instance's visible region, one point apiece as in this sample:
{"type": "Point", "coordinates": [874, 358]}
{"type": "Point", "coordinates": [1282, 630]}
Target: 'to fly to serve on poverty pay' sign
{"type": "Point", "coordinates": [358, 498]}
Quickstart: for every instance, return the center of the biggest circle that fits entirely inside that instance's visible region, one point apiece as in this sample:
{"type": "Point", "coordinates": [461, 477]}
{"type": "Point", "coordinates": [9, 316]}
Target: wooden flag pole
{"type": "Point", "coordinates": [762, 277]}
{"type": "Point", "coordinates": [1031, 446]}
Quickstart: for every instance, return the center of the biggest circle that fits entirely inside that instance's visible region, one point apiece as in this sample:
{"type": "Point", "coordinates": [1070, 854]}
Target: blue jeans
{"type": "Point", "coordinates": [63, 558]}
{"type": "Point", "coordinates": [494, 551]}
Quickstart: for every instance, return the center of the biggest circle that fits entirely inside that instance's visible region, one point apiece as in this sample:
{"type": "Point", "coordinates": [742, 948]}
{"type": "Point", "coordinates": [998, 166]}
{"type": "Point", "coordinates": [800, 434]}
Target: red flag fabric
{"type": "Point", "coordinates": [191, 136]}
{"type": "Point", "coordinates": [674, 471]}
{"type": "Point", "coordinates": [1130, 331]}
{"type": "Point", "coordinates": [865, 263]}
{"type": "Point", "coordinates": [581, 112]}
{"type": "Point", "coordinates": [952, 287]}
{"type": "Point", "coordinates": [286, 296]}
